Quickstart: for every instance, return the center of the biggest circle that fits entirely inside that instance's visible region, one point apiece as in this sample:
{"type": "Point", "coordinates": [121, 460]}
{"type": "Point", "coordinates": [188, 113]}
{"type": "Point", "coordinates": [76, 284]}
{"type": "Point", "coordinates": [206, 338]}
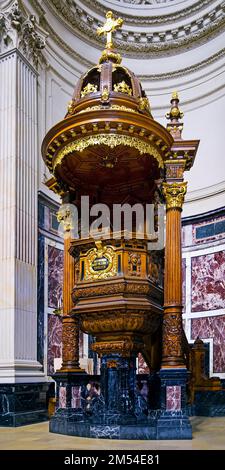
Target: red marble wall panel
{"type": "Point", "coordinates": [208, 282]}
{"type": "Point", "coordinates": [173, 398]}
{"type": "Point", "coordinates": [54, 341]}
{"type": "Point", "coordinates": [142, 366]}
{"type": "Point", "coordinates": [55, 276]}
{"type": "Point", "coordinates": [62, 397]}
{"type": "Point", "coordinates": [76, 397]}
{"type": "Point", "coordinates": [212, 327]}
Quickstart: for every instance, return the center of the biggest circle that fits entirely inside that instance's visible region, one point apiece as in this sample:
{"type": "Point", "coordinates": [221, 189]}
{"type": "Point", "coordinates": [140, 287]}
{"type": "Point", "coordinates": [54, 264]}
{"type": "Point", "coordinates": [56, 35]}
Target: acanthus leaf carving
{"type": "Point", "coordinates": [20, 31]}
{"type": "Point", "coordinates": [172, 331]}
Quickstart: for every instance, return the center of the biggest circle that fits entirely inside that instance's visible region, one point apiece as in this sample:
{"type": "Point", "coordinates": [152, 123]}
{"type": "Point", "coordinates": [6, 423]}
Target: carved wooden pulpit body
{"type": "Point", "coordinates": [109, 150]}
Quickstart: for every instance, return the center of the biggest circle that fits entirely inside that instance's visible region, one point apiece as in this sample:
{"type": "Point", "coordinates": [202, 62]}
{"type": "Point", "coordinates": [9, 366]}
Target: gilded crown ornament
{"type": "Point", "coordinates": [89, 88]}
{"type": "Point", "coordinates": [122, 87]}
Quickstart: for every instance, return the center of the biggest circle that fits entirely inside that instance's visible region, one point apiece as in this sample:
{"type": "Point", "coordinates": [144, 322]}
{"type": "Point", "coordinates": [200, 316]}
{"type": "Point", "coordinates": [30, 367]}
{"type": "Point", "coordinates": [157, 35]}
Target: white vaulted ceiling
{"type": "Point", "coordinates": [170, 45]}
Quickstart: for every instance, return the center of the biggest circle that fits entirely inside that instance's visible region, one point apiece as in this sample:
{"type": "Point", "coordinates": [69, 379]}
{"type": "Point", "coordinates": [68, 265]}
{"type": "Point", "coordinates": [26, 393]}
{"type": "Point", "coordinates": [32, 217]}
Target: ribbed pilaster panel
{"type": "Point", "coordinates": [18, 213]}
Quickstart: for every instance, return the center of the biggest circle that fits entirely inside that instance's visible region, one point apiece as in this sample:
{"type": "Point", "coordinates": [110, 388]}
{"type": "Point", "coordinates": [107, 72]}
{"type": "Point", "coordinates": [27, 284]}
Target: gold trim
{"type": "Point", "coordinates": [174, 194]}
{"type": "Point", "coordinates": [112, 141]}
{"type": "Point", "coordinates": [123, 108]}
{"type": "Point", "coordinates": [105, 94]}
{"type": "Point", "coordinates": [102, 108]}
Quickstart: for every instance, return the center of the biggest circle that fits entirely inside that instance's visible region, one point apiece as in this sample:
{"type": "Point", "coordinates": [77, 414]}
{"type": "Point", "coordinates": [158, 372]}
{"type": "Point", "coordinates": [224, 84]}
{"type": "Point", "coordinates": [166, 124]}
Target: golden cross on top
{"type": "Point", "coordinates": [110, 25]}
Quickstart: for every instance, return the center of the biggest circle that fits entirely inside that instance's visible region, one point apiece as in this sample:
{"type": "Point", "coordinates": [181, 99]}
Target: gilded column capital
{"type": "Point", "coordinates": [174, 194]}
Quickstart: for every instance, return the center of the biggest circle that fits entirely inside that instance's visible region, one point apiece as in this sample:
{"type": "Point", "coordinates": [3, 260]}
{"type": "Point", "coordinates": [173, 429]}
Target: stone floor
{"type": "Point", "coordinates": [208, 433]}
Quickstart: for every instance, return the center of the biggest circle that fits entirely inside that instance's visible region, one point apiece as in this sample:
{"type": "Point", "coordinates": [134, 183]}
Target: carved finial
{"type": "Point", "coordinates": [175, 127]}
{"type": "Point", "coordinates": [107, 29]}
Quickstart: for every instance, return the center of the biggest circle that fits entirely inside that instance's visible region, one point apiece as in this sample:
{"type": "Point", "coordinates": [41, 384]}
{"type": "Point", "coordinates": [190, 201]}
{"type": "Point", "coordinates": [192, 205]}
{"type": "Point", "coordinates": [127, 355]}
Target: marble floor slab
{"type": "Point", "coordinates": [208, 434]}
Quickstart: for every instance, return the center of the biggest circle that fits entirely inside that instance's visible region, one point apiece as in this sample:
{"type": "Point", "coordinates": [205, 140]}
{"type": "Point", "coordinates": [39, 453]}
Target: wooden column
{"type": "Point", "coordinates": [70, 325]}
{"type": "Point", "coordinates": [172, 322]}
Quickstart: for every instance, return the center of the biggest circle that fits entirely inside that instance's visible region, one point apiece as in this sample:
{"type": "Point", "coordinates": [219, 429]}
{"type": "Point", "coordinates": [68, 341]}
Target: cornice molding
{"type": "Point", "coordinates": [204, 193]}
{"type": "Point", "coordinates": [144, 44]}
{"type": "Point", "coordinates": [150, 77]}
{"type": "Point", "coordinates": [147, 20]}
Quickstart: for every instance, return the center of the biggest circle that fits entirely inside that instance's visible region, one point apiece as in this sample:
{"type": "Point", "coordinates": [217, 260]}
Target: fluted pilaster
{"type": "Point", "coordinates": [18, 215]}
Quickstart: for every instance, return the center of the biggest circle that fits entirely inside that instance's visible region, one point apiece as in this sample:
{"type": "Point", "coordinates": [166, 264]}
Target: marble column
{"type": "Point", "coordinates": [20, 48]}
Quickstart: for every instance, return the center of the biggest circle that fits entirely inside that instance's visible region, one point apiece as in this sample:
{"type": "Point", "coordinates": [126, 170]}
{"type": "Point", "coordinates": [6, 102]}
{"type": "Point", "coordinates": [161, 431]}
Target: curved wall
{"type": "Point", "coordinates": [194, 65]}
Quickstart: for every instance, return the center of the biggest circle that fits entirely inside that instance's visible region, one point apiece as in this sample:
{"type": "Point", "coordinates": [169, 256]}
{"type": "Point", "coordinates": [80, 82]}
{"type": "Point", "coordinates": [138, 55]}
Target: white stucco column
{"type": "Point", "coordinates": [21, 44]}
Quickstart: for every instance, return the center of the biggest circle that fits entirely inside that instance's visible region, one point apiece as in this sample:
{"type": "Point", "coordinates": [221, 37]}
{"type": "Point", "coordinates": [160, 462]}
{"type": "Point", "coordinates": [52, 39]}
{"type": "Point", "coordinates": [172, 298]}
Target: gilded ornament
{"type": "Point", "coordinates": [175, 95]}
{"type": "Point", "coordinates": [123, 87]}
{"type": "Point", "coordinates": [175, 112]}
{"type": "Point", "coordinates": [107, 126]}
{"type": "Point", "coordinates": [123, 108]}
{"type": "Point", "coordinates": [105, 94]}
{"type": "Point", "coordinates": [70, 107]}
{"type": "Point", "coordinates": [174, 194]}
{"type": "Point", "coordinates": [100, 263]}
{"type": "Point", "coordinates": [134, 263]}
{"type": "Point", "coordinates": [95, 126]}
{"type": "Point", "coordinates": [108, 161]}
{"type": "Point", "coordinates": [144, 104]}
{"type": "Point", "coordinates": [89, 88]}
{"type": "Point", "coordinates": [110, 55]}
{"type": "Point", "coordinates": [112, 141]}
{"type": "Point", "coordinates": [113, 107]}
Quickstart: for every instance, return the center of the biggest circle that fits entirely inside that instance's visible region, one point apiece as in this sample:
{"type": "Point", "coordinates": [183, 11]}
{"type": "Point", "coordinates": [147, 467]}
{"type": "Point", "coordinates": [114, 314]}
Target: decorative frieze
{"type": "Point", "coordinates": [149, 41]}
